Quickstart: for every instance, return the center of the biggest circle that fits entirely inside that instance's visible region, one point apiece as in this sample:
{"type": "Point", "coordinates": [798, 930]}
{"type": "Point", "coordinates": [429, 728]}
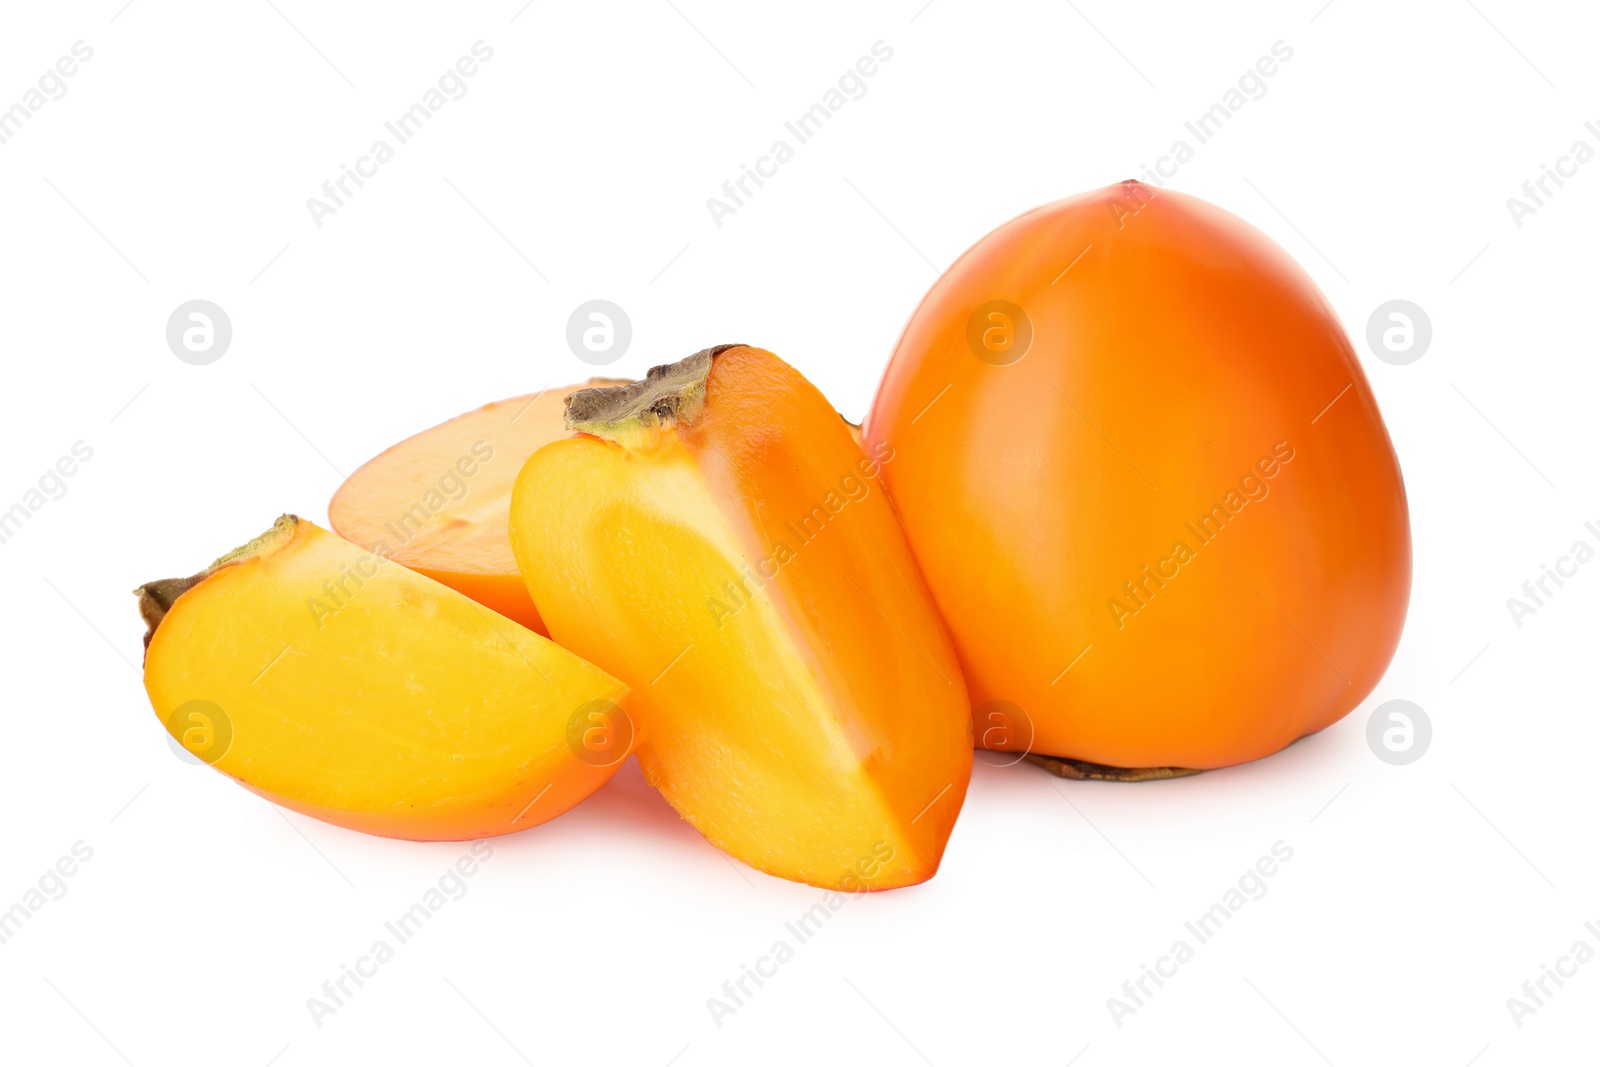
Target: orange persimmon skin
{"type": "Point", "coordinates": [1179, 360]}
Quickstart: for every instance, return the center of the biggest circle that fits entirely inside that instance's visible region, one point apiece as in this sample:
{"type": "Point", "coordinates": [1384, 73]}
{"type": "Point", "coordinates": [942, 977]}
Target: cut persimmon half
{"type": "Point", "coordinates": [345, 687]}
{"type": "Point", "coordinates": [715, 537]}
{"type": "Point", "coordinates": [439, 501]}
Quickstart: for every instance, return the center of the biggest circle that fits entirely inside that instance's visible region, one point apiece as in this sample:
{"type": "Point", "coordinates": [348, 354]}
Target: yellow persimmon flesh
{"type": "Point", "coordinates": [438, 502]}
{"type": "Point", "coordinates": [348, 688]}
{"type": "Point", "coordinates": [715, 537]}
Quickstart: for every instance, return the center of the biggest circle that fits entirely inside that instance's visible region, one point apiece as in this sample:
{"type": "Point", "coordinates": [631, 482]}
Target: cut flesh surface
{"type": "Point", "coordinates": [798, 697]}
{"type": "Point", "coordinates": [370, 696]}
{"type": "Point", "coordinates": [439, 502]}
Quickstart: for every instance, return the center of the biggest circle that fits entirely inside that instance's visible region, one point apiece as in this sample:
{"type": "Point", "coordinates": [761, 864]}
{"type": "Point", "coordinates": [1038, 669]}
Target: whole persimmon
{"type": "Point", "coordinates": [1145, 478]}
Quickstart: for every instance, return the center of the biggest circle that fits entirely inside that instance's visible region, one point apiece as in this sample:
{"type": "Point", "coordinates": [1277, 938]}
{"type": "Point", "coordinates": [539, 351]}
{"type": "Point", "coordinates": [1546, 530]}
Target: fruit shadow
{"type": "Point", "coordinates": [624, 810]}
{"type": "Point", "coordinates": [628, 816]}
{"type": "Point", "coordinates": [1281, 790]}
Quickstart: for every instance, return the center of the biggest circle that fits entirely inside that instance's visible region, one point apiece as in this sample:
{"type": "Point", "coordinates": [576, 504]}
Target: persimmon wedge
{"type": "Point", "coordinates": [351, 689]}
{"type": "Point", "coordinates": [439, 501]}
{"type": "Point", "coordinates": [714, 537]}
{"type": "Point", "coordinates": [1145, 476]}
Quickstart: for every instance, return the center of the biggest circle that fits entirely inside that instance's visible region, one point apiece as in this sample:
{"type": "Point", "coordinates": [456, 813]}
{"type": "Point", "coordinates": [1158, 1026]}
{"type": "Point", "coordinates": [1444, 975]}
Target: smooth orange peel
{"type": "Point", "coordinates": [1142, 469]}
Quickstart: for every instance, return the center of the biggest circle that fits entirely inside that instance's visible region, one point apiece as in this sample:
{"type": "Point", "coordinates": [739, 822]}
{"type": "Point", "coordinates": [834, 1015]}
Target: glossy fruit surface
{"type": "Point", "coordinates": [715, 537]}
{"type": "Point", "coordinates": [439, 502]}
{"type": "Point", "coordinates": [1142, 470]}
{"type": "Point", "coordinates": [354, 690]}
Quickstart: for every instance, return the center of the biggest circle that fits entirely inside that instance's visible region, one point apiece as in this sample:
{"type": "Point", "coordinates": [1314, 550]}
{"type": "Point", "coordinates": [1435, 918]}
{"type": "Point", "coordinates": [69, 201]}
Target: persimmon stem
{"type": "Point", "coordinates": [156, 598]}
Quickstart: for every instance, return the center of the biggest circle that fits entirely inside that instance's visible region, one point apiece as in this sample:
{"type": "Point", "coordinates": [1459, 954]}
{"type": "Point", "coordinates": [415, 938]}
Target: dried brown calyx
{"type": "Point", "coordinates": [1062, 767]}
{"type": "Point", "coordinates": [669, 395]}
{"type": "Point", "coordinates": [156, 598]}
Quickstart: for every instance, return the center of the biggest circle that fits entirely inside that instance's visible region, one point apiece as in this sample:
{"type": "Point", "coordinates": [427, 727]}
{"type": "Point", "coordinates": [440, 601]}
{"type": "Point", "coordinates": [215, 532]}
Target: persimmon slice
{"type": "Point", "coordinates": [715, 537]}
{"type": "Point", "coordinates": [439, 502]}
{"type": "Point", "coordinates": [351, 689]}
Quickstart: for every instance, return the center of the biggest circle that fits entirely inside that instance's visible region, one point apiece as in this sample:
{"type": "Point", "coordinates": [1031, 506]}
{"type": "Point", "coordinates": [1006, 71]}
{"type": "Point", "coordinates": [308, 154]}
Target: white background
{"type": "Point", "coordinates": [177, 166]}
